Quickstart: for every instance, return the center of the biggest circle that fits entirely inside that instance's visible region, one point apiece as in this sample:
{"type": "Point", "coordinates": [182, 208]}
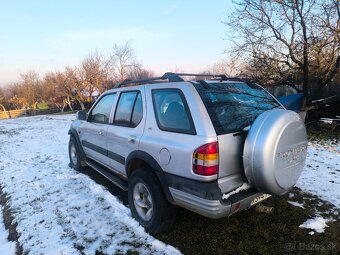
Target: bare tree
{"type": "Point", "coordinates": [123, 61]}
{"type": "Point", "coordinates": [2, 101]}
{"type": "Point", "coordinates": [54, 90]}
{"type": "Point", "coordinates": [65, 88]}
{"type": "Point", "coordinates": [74, 86]}
{"type": "Point", "coordinates": [290, 41]}
{"type": "Point", "coordinates": [2, 95]}
{"type": "Point", "coordinates": [140, 73]}
{"type": "Point", "coordinates": [79, 84]}
{"type": "Point", "coordinates": [229, 67]}
{"type": "Point", "coordinates": [94, 71]}
{"type": "Point", "coordinates": [27, 92]}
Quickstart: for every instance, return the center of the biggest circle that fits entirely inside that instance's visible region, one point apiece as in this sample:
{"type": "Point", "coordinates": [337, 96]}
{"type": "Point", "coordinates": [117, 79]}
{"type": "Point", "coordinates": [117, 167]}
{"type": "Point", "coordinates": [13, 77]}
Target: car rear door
{"type": "Point", "coordinates": [124, 134]}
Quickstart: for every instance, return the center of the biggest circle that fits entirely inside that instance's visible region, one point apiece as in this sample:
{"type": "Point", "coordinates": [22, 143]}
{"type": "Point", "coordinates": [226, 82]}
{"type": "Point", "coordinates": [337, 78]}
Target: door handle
{"type": "Point", "coordinates": [132, 139]}
{"type": "Point", "coordinates": [101, 132]}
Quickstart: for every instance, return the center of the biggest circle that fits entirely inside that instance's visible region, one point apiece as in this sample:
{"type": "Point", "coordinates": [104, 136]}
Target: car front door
{"type": "Point", "coordinates": [124, 134]}
{"type": "Point", "coordinates": [94, 130]}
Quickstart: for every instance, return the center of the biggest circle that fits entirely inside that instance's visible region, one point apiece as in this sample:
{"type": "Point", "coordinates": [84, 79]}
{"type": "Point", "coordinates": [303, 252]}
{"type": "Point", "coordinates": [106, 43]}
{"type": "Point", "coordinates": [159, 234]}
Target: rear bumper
{"type": "Point", "coordinates": [208, 208]}
{"type": "Point", "coordinates": [214, 209]}
{"type": "Point", "coordinates": [205, 198]}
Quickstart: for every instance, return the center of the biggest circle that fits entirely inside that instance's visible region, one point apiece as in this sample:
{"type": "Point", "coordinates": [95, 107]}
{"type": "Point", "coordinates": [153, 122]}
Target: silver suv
{"type": "Point", "coordinates": [213, 146]}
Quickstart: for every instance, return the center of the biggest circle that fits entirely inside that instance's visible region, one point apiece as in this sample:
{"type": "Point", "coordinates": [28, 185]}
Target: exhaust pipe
{"type": "Point", "coordinates": [264, 209]}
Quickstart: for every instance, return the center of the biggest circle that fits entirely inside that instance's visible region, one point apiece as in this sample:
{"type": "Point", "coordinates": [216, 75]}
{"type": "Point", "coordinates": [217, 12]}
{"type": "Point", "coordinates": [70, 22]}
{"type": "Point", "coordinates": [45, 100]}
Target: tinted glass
{"type": "Point", "coordinates": [171, 111]}
{"type": "Point", "coordinates": [234, 106]}
{"type": "Point", "coordinates": [124, 108]}
{"type": "Point", "coordinates": [137, 112]}
{"type": "Point", "coordinates": [101, 112]}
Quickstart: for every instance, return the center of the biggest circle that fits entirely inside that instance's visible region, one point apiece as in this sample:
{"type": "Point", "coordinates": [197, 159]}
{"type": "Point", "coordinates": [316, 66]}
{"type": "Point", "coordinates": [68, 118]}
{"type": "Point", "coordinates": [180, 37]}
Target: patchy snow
{"type": "Point", "coordinates": [6, 247]}
{"type": "Point", "coordinates": [296, 204]}
{"type": "Point", "coordinates": [318, 224]}
{"type": "Point", "coordinates": [58, 210]}
{"type": "Point", "coordinates": [244, 186]}
{"type": "Point", "coordinates": [321, 175]}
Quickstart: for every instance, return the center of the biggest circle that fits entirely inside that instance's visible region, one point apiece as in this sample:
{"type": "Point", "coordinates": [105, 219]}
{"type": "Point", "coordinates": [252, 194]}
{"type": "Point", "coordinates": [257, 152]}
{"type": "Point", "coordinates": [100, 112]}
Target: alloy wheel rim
{"type": "Point", "coordinates": [143, 201]}
{"type": "Point", "coordinates": [73, 153]}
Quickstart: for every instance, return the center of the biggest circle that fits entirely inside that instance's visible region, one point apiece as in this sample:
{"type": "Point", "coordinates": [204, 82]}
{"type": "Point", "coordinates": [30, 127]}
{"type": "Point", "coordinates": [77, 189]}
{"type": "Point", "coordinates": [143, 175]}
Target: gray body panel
{"type": "Point", "coordinates": [95, 134]}
{"type": "Point", "coordinates": [231, 173]}
{"type": "Point", "coordinates": [180, 146]}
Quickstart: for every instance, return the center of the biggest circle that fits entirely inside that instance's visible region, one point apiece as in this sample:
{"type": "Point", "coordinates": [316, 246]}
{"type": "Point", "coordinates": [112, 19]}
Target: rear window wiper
{"type": "Point", "coordinates": [244, 131]}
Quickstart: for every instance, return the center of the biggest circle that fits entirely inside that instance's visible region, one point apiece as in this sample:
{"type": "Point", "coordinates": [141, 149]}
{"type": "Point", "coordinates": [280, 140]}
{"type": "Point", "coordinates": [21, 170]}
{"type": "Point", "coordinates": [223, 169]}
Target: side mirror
{"type": "Point", "coordinates": [81, 115]}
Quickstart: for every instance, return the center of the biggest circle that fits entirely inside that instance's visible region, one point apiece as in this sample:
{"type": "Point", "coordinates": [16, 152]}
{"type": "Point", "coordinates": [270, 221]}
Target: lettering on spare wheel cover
{"type": "Point", "coordinates": [293, 154]}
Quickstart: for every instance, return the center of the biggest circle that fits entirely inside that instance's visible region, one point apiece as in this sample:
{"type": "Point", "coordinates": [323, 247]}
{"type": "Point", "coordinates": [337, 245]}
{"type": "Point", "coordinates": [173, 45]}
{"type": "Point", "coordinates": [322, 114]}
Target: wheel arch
{"type": "Point", "coordinates": [138, 159]}
{"type": "Point", "coordinates": [143, 160]}
{"type": "Point", "coordinates": [73, 133]}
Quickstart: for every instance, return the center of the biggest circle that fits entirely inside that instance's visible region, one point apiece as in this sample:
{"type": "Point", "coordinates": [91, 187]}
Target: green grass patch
{"type": "Point", "coordinates": [322, 131]}
{"type": "Point", "coordinates": [251, 232]}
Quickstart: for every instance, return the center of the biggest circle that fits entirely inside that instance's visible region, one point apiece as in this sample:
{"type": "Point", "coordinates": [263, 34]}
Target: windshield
{"type": "Point", "coordinates": [234, 106]}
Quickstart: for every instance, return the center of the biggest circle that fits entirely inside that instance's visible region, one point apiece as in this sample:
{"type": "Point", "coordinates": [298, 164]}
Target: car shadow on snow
{"type": "Point", "coordinates": [112, 188]}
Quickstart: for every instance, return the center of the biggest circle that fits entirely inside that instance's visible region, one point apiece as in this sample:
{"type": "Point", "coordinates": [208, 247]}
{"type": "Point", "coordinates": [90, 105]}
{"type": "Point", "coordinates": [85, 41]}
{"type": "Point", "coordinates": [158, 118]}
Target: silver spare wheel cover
{"type": "Point", "coordinates": [275, 151]}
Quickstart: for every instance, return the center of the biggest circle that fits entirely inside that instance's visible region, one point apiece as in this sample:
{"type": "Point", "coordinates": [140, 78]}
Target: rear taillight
{"type": "Point", "coordinates": [205, 159]}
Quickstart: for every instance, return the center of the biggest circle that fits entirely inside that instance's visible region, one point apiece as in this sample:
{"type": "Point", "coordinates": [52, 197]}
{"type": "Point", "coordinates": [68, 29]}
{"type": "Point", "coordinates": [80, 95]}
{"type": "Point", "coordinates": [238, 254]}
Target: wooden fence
{"type": "Point", "coordinates": [25, 112]}
{"type": "Point", "coordinates": [13, 114]}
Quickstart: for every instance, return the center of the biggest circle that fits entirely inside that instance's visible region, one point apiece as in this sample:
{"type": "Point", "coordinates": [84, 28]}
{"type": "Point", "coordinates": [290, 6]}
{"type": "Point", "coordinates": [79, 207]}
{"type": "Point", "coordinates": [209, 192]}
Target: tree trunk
{"type": "Point", "coordinates": [305, 84]}
{"type": "Point", "coordinates": [69, 103]}
{"type": "Point", "coordinates": [58, 106]}
{"type": "Point", "coordinates": [305, 66]}
{"type": "Point", "coordinates": [62, 109]}
{"type": "Point", "coordinates": [81, 105]}
{"type": "Point", "coordinates": [4, 110]}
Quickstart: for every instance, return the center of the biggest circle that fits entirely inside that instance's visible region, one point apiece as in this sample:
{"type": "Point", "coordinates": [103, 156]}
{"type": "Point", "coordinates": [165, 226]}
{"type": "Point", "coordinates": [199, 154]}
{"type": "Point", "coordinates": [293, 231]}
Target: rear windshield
{"type": "Point", "coordinates": [234, 106]}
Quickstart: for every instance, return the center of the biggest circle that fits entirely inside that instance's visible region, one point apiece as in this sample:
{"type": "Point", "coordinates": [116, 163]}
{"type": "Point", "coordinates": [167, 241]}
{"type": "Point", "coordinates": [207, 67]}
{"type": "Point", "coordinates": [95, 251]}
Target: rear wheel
{"type": "Point", "coordinates": [76, 157]}
{"type": "Point", "coordinates": [148, 203]}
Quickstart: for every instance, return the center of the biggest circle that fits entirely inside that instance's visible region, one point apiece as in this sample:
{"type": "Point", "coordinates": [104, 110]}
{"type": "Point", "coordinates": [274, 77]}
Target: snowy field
{"type": "Point", "coordinates": [321, 175]}
{"type": "Point", "coordinates": [56, 209]}
{"type": "Point", "coordinates": [59, 211]}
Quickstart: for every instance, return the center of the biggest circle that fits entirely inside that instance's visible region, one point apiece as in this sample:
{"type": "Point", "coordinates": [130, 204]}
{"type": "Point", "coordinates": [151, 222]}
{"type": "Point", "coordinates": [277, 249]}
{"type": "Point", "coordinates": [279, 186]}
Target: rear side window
{"type": "Point", "coordinates": [234, 106]}
{"type": "Point", "coordinates": [172, 112]}
{"type": "Point", "coordinates": [102, 109]}
{"type": "Point", "coordinates": [129, 111]}
{"type": "Point", "coordinates": [137, 111]}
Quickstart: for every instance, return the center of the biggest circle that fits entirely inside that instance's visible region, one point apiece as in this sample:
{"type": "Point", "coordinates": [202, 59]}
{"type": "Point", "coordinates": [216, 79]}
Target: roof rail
{"type": "Point", "coordinates": [171, 77]}
{"type": "Point", "coordinates": [221, 76]}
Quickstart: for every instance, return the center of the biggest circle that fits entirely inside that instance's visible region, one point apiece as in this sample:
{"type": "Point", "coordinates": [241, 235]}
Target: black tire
{"type": "Point", "coordinates": [80, 162]}
{"type": "Point", "coordinates": [163, 213]}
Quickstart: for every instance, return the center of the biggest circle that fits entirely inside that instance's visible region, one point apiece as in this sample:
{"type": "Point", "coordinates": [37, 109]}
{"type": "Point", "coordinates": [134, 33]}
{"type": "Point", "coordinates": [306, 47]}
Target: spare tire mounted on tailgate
{"type": "Point", "coordinates": [275, 151]}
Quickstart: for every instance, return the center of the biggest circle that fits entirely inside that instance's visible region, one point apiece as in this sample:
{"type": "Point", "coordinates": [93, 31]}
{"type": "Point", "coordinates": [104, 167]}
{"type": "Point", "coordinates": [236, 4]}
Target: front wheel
{"type": "Point", "coordinates": [76, 158]}
{"type": "Point", "coordinates": [148, 203]}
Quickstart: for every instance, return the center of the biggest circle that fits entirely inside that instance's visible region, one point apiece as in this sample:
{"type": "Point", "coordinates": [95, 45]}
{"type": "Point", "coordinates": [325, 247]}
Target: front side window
{"type": "Point", "coordinates": [129, 110]}
{"type": "Point", "coordinates": [172, 112]}
{"type": "Point", "coordinates": [101, 112]}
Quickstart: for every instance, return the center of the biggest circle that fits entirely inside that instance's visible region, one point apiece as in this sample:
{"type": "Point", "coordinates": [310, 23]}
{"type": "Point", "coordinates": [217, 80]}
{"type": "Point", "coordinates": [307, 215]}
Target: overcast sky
{"type": "Point", "coordinates": [167, 35]}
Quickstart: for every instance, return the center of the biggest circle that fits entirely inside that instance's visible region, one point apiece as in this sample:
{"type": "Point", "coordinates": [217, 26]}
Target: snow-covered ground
{"type": "Point", "coordinates": [57, 210]}
{"type": "Point", "coordinates": [318, 224]}
{"type": "Point", "coordinates": [6, 247]}
{"type": "Point", "coordinates": [321, 175]}
{"type": "Point", "coordinates": [60, 211]}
